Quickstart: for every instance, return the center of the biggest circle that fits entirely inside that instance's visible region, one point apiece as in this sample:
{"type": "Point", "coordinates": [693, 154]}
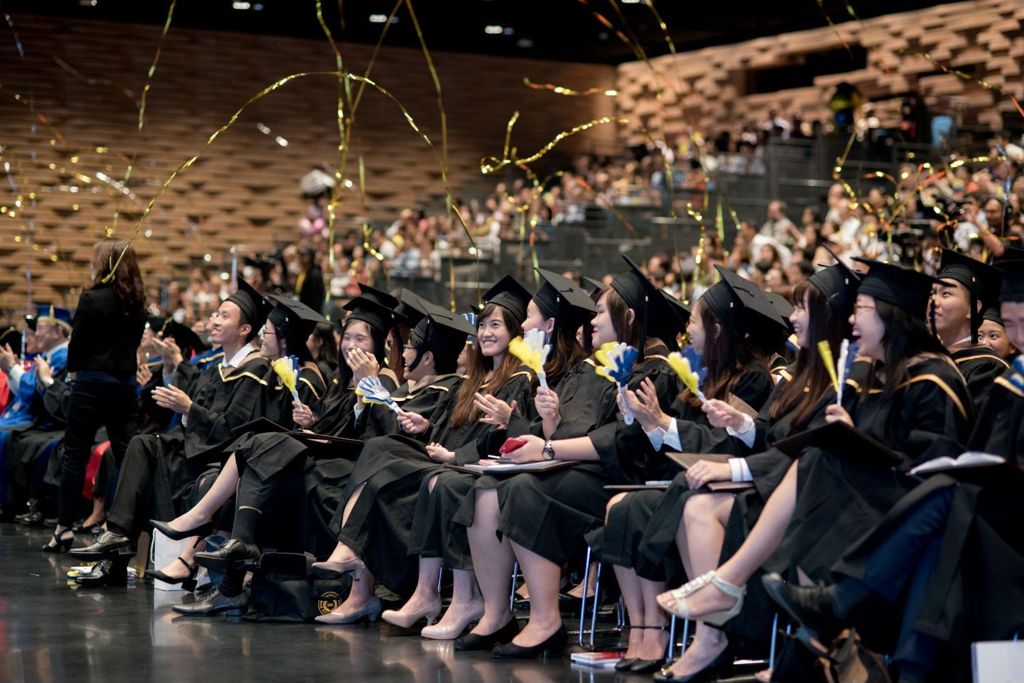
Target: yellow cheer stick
{"type": "Point", "coordinates": [826, 357]}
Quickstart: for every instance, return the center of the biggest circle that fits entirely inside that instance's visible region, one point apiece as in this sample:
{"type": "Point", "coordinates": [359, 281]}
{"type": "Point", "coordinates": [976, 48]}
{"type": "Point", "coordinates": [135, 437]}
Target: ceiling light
{"type": "Point", "coordinates": [630, 2]}
{"type": "Point", "coordinates": [241, 5]}
{"type": "Point", "coordinates": [378, 18]}
{"type": "Point", "coordinates": [509, 31]}
{"type": "Point", "coordinates": [494, 30]}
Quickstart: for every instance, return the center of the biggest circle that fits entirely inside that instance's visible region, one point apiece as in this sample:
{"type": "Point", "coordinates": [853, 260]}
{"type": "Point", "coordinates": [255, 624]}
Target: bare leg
{"type": "Point", "coordinates": [97, 515]}
{"type": "Point", "coordinates": [466, 605]}
{"type": "Point", "coordinates": [543, 576]}
{"type": "Point", "coordinates": [223, 488]}
{"type": "Point", "coordinates": [362, 592]}
{"type": "Point", "coordinates": [764, 539]}
{"type": "Point", "coordinates": [493, 561]}
{"type": "Point", "coordinates": [702, 532]}
{"type": "Point", "coordinates": [654, 639]}
{"type": "Point", "coordinates": [426, 595]}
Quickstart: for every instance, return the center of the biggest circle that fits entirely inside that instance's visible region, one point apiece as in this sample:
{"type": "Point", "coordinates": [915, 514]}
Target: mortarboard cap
{"type": "Point", "coordinates": [293, 314]}
{"type": "Point", "coordinates": [443, 333]}
{"type": "Point", "coordinates": [371, 312]}
{"type": "Point", "coordinates": [155, 323]}
{"type": "Point", "coordinates": [412, 307]}
{"type": "Point", "coordinates": [902, 287]}
{"type": "Point", "coordinates": [10, 336]}
{"type": "Point", "coordinates": [510, 295]}
{"type": "Point", "coordinates": [637, 290]}
{"type": "Point", "coordinates": [992, 315]}
{"type": "Point", "coordinates": [668, 327]}
{"type": "Point", "coordinates": [559, 298]}
{"type": "Point", "coordinates": [58, 315]}
{"type": "Point", "coordinates": [255, 307]}
{"type": "Point", "coordinates": [184, 337]}
{"type": "Point", "coordinates": [982, 281]}
{"type": "Point", "coordinates": [1009, 254]}
{"type": "Point", "coordinates": [838, 284]}
{"type": "Point", "coordinates": [742, 306]}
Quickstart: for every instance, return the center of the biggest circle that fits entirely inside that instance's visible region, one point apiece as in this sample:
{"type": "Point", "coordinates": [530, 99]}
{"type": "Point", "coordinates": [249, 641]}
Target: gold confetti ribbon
{"type": "Point", "coordinates": [273, 87]}
{"type": "Point", "coordinates": [493, 165]}
{"type": "Point", "coordinates": [966, 77]}
{"type": "Point", "coordinates": [569, 92]}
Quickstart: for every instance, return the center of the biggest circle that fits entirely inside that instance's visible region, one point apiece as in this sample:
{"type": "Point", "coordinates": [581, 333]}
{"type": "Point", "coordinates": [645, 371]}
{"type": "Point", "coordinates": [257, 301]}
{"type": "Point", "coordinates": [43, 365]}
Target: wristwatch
{"type": "Point", "coordinates": [548, 452]}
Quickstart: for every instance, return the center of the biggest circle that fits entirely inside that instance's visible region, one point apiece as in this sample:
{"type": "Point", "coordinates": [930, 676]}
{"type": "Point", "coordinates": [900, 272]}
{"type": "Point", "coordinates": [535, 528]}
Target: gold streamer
{"type": "Point", "coordinates": [273, 87]}
{"type": "Point", "coordinates": [492, 164]}
{"type": "Point", "coordinates": [966, 77]}
{"type": "Point", "coordinates": [569, 92]}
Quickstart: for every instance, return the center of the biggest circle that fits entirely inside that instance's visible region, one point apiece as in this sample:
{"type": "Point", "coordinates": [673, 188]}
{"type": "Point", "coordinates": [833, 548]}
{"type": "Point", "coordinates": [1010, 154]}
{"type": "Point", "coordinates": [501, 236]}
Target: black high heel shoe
{"type": "Point", "coordinates": [83, 529]}
{"type": "Point", "coordinates": [175, 535]}
{"type": "Point", "coordinates": [59, 543]}
{"type": "Point", "coordinates": [554, 645]}
{"type": "Point", "coordinates": [643, 666]}
{"type": "Point", "coordinates": [475, 642]}
{"type": "Point", "coordinates": [187, 582]}
{"type": "Point", "coordinates": [110, 571]}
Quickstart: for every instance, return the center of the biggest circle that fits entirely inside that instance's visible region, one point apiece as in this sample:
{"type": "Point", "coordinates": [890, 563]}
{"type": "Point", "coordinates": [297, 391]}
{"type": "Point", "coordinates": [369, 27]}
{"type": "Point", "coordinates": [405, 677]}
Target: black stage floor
{"type": "Point", "coordinates": [50, 633]}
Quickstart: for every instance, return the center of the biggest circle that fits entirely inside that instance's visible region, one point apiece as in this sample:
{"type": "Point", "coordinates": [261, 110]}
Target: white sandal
{"type": "Point", "coordinates": [682, 610]}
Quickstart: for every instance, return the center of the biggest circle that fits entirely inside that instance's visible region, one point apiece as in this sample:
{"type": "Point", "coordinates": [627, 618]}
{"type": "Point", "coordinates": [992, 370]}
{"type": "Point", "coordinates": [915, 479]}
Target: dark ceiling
{"type": "Point", "coordinates": [565, 30]}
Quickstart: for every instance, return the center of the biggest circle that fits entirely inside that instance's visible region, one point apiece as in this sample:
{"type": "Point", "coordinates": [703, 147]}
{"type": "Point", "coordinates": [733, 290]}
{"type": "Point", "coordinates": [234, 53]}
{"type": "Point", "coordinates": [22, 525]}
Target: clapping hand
{"type": "Point", "coordinates": [172, 398]}
{"type": "Point", "coordinates": [493, 410]}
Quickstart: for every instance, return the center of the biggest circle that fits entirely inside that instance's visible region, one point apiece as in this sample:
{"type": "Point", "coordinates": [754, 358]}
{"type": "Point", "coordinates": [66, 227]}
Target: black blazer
{"type": "Point", "coordinates": [104, 337]}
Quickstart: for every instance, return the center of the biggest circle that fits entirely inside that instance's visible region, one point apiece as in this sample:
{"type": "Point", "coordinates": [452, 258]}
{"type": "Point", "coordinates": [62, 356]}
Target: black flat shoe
{"type": "Point", "coordinates": [553, 646]}
{"type": "Point", "coordinates": [647, 666]}
{"type": "Point", "coordinates": [231, 552]}
{"type": "Point", "coordinates": [175, 535]}
{"type": "Point", "coordinates": [475, 642]}
{"type": "Point", "coordinates": [812, 606]}
{"type": "Point", "coordinates": [625, 664]}
{"type": "Point", "coordinates": [709, 673]}
{"type": "Point", "coordinates": [107, 543]}
{"type": "Point", "coordinates": [214, 603]}
{"type": "Point", "coordinates": [59, 544]}
{"type": "Point", "coordinates": [187, 582]}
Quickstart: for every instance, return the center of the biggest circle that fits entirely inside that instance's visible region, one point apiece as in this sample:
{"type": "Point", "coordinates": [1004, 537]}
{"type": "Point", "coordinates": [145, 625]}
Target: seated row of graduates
{"type": "Point", "coordinates": [395, 514]}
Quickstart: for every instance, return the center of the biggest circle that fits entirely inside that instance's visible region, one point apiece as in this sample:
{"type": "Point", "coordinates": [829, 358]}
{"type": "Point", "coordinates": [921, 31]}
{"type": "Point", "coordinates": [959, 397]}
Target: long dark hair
{"type": "Point", "coordinates": [906, 336]}
{"type": "Point", "coordinates": [565, 352]}
{"type": "Point", "coordinates": [726, 354]}
{"type": "Point", "coordinates": [627, 332]}
{"type": "Point", "coordinates": [810, 380]}
{"type": "Point", "coordinates": [327, 352]}
{"type": "Point", "coordinates": [127, 279]}
{"type": "Point", "coordinates": [478, 367]}
{"type": "Point", "coordinates": [344, 371]}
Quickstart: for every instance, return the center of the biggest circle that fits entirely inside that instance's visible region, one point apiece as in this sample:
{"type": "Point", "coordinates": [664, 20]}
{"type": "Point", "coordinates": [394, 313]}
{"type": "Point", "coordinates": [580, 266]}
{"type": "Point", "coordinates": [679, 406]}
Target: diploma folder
{"type": "Point", "coordinates": [839, 437]}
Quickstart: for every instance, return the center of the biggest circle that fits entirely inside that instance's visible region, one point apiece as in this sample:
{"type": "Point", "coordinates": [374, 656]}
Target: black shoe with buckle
{"type": "Point", "coordinates": [213, 603]}
{"type": "Point", "coordinates": [233, 551]}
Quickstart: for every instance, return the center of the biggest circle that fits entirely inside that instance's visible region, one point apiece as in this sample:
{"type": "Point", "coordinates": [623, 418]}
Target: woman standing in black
{"type": "Point", "coordinates": [106, 332]}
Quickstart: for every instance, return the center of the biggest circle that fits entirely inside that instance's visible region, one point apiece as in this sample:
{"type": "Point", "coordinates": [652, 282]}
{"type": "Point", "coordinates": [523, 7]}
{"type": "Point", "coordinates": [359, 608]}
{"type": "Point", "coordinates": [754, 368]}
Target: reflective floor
{"type": "Point", "coordinates": [50, 632]}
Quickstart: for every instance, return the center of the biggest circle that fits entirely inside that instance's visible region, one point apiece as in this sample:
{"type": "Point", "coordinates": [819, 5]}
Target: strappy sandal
{"type": "Point", "coordinates": [682, 610]}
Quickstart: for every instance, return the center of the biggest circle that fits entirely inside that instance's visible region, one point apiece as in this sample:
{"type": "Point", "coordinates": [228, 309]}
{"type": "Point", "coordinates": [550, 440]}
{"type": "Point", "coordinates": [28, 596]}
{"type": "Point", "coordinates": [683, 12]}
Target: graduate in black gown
{"type": "Point", "coordinates": [558, 308]}
{"type": "Point", "coordinates": [947, 563]}
{"type": "Point", "coordinates": [827, 499]}
{"type": "Point", "coordinates": [159, 473]}
{"type": "Point", "coordinates": [376, 522]}
{"type": "Point", "coordinates": [692, 524]}
{"type": "Point", "coordinates": [539, 519]}
{"type": "Point", "coordinates": [729, 332]}
{"type": "Point", "coordinates": [285, 333]}
{"type": "Point", "coordinates": [964, 289]}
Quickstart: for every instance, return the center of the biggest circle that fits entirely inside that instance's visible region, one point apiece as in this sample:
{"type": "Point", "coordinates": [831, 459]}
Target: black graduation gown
{"type": "Point", "coordinates": [392, 469]}
{"type": "Point", "coordinates": [327, 473]}
{"type": "Point", "coordinates": [628, 521]}
{"type": "Point", "coordinates": [550, 513]}
{"type": "Point", "coordinates": [980, 366]}
{"type": "Point", "coordinates": [588, 401]}
{"type": "Point", "coordinates": [159, 474]}
{"type": "Point", "coordinates": [34, 455]}
{"type": "Point", "coordinates": [840, 498]}
{"type": "Point", "coordinates": [975, 591]}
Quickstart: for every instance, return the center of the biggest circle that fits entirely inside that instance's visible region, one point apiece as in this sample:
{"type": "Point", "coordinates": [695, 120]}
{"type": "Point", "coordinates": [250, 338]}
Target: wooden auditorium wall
{"type": "Point", "coordinates": [68, 122]}
{"type": "Point", "coordinates": [714, 88]}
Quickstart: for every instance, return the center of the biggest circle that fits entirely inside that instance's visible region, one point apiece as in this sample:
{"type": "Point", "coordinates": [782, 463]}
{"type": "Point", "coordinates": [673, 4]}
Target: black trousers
{"type": "Point", "coordinates": [93, 405]}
